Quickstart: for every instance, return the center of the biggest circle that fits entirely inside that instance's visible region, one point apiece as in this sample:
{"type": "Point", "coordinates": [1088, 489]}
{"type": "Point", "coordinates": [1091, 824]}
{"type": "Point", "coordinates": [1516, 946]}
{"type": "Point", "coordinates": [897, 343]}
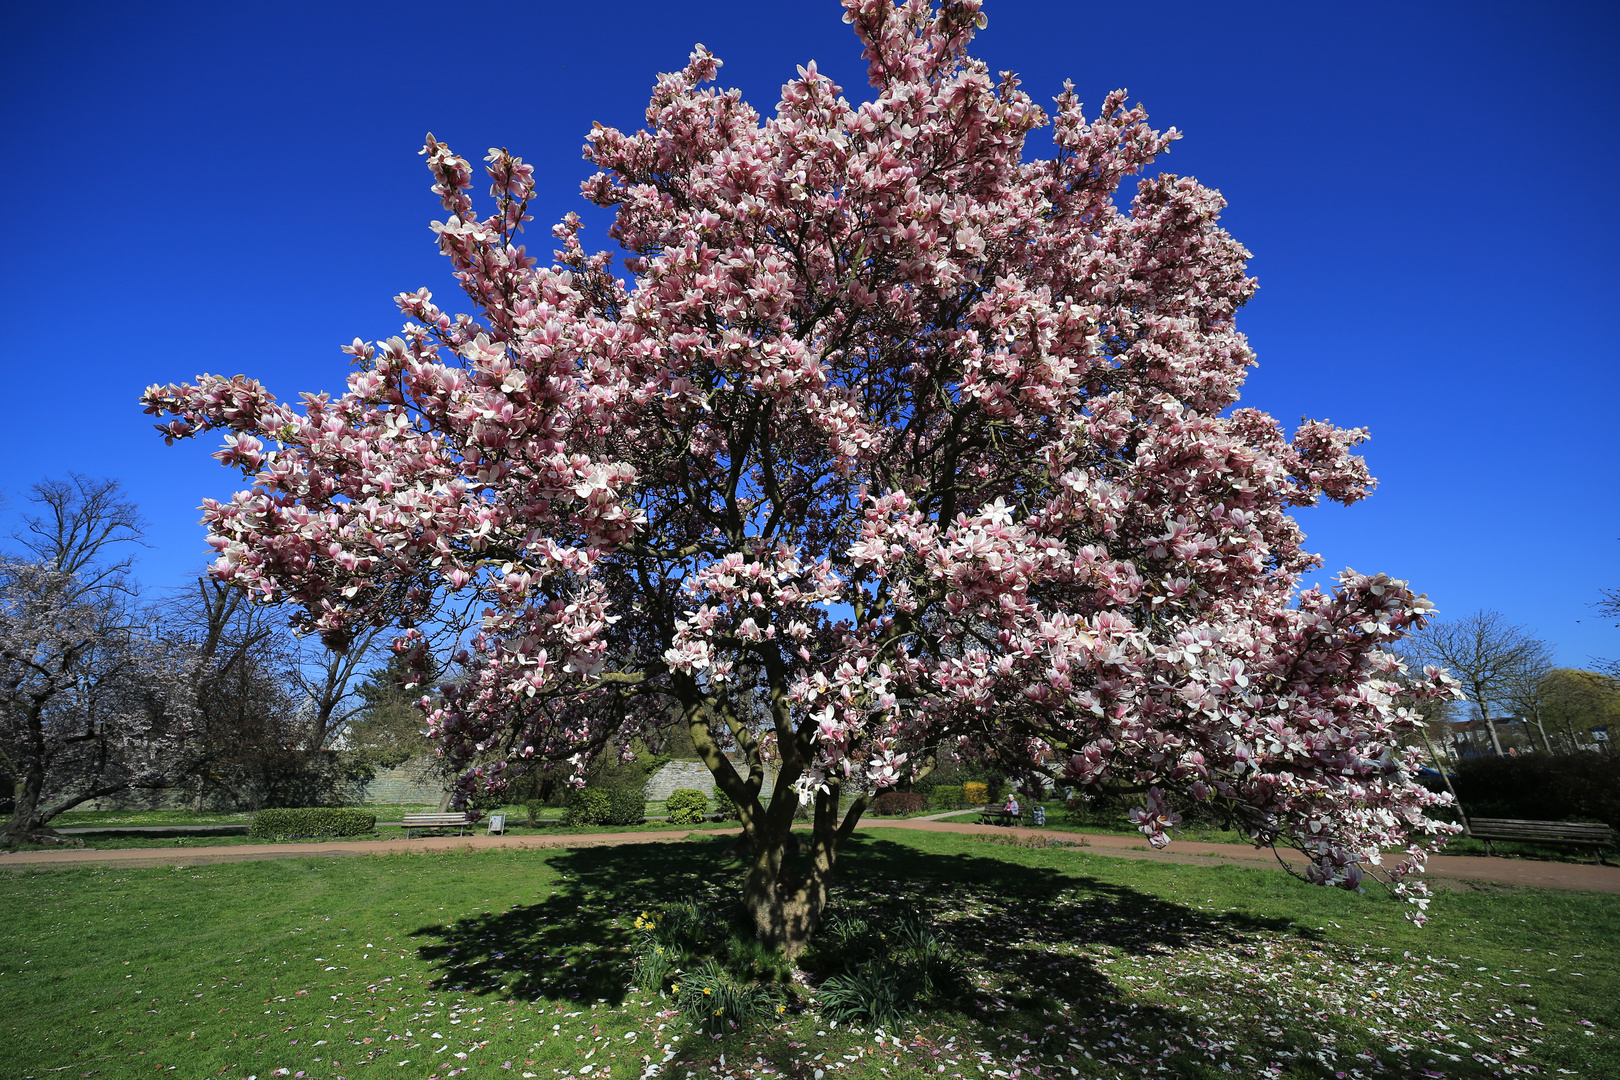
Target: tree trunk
{"type": "Point", "coordinates": [25, 791]}
{"type": "Point", "coordinates": [1490, 725]}
{"type": "Point", "coordinates": [784, 901]}
{"type": "Point", "coordinates": [785, 908]}
{"type": "Point", "coordinates": [785, 894]}
{"type": "Point", "coordinates": [1440, 764]}
{"type": "Point", "coordinates": [24, 827]}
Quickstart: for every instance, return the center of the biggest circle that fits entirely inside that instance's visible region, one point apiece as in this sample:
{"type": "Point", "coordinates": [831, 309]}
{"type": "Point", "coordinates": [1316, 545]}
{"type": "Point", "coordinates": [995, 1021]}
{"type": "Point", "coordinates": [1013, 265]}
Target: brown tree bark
{"type": "Point", "coordinates": [784, 895]}
{"type": "Point", "coordinates": [784, 901]}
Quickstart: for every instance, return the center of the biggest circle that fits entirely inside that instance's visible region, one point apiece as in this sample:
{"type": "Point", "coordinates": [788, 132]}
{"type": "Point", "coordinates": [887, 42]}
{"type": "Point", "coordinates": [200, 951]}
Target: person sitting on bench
{"type": "Point", "coordinates": [1011, 809]}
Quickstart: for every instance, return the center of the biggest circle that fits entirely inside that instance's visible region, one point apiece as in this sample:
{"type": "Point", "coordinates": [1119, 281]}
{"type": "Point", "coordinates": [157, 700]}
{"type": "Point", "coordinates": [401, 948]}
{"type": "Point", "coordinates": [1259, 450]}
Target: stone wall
{"type": "Point", "coordinates": [696, 775]}
{"type": "Point", "coordinates": [412, 782]}
{"type": "Point", "coordinates": [679, 774]}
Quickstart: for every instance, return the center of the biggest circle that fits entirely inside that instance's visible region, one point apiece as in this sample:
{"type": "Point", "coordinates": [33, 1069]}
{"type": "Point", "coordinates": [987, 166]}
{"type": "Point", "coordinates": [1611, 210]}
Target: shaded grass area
{"type": "Point", "coordinates": [425, 964]}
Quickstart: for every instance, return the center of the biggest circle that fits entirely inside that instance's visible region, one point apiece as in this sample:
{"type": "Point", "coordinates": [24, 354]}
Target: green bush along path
{"type": "Point", "coordinates": [511, 963]}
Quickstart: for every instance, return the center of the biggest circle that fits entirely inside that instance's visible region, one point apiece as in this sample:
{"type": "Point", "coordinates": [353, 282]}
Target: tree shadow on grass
{"type": "Point", "coordinates": [575, 943]}
{"type": "Point", "coordinates": [1004, 917]}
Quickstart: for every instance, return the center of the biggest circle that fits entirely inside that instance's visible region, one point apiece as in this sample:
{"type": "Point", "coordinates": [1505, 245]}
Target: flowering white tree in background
{"type": "Point", "coordinates": [91, 703]}
{"type": "Point", "coordinates": [909, 441]}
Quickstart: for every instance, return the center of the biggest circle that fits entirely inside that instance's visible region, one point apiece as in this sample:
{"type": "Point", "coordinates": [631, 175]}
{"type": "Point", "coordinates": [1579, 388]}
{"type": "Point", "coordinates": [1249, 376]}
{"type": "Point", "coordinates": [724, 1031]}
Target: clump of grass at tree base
{"type": "Point", "coordinates": [879, 972]}
{"type": "Point", "coordinates": [716, 1000]}
{"type": "Point", "coordinates": [719, 976]}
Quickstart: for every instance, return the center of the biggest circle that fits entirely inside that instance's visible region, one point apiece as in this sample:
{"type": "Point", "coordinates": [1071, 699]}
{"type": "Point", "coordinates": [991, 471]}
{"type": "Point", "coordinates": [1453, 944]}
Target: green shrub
{"type": "Point", "coordinates": [312, 821]}
{"type": "Point", "coordinates": [945, 797]}
{"type": "Point", "coordinates": [587, 806]}
{"type": "Point", "coordinates": [596, 806]}
{"type": "Point", "coordinates": [725, 808]}
{"type": "Point", "coordinates": [626, 806]}
{"type": "Point", "coordinates": [534, 806]}
{"type": "Point", "coordinates": [687, 806]}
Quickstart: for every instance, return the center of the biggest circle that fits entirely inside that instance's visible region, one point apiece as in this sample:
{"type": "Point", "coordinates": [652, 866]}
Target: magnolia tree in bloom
{"type": "Point", "coordinates": [893, 441]}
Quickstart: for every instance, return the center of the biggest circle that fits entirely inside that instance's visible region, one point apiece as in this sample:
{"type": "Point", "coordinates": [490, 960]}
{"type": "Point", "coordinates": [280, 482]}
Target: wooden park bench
{"type": "Point", "coordinates": [995, 815]}
{"type": "Point", "coordinates": [420, 822]}
{"type": "Point", "coordinates": [1594, 835]}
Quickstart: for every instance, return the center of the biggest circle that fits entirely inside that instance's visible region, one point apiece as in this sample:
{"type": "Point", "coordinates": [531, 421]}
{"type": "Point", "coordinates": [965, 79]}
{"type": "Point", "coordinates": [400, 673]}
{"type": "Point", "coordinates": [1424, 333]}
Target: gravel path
{"type": "Point", "coordinates": [1443, 869]}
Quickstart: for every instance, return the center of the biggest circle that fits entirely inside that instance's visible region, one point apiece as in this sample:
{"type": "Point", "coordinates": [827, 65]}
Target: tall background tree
{"type": "Point", "coordinates": [1572, 703]}
{"type": "Point", "coordinates": [893, 442]}
{"type": "Point", "coordinates": [274, 709]}
{"type": "Point", "coordinates": [1496, 662]}
{"type": "Point", "coordinates": [83, 527]}
{"type": "Point", "coordinates": [92, 703]}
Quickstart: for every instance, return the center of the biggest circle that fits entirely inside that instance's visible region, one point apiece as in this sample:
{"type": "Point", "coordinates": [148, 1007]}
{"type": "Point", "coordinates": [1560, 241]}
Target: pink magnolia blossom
{"type": "Point", "coordinates": [894, 441]}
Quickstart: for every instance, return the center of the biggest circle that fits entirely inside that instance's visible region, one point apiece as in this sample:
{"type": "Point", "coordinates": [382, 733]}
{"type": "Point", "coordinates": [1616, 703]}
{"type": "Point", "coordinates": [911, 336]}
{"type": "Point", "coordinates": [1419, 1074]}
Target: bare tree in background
{"type": "Point", "coordinates": [83, 528]}
{"type": "Point", "coordinates": [239, 661]}
{"type": "Point", "coordinates": [328, 684]}
{"type": "Point", "coordinates": [271, 701]}
{"type": "Point", "coordinates": [1485, 653]}
{"type": "Point", "coordinates": [91, 704]}
{"type": "Point", "coordinates": [1526, 693]}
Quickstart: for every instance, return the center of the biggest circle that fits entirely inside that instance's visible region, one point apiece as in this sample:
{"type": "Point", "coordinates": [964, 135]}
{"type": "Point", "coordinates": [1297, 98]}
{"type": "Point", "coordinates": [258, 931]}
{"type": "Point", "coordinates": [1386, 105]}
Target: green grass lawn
{"type": "Point", "coordinates": [551, 817]}
{"type": "Point", "coordinates": [505, 963]}
{"type": "Point", "coordinates": [122, 831]}
{"type": "Point", "coordinates": [115, 840]}
{"type": "Point", "coordinates": [131, 817]}
{"type": "Point", "coordinates": [1060, 819]}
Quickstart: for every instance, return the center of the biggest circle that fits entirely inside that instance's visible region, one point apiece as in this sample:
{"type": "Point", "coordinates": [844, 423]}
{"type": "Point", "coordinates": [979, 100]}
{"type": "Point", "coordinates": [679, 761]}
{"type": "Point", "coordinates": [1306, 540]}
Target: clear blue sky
{"type": "Point", "coordinates": [1427, 188]}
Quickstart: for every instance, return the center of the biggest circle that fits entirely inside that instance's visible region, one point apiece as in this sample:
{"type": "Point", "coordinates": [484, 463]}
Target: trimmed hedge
{"type": "Point", "coordinates": [945, 797]}
{"type": "Point", "coordinates": [1542, 787]}
{"type": "Point", "coordinates": [687, 806]}
{"type": "Point", "coordinates": [312, 821]}
{"type": "Point", "coordinates": [586, 806]}
{"type": "Point", "coordinates": [900, 802]}
{"type": "Point", "coordinates": [614, 806]}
